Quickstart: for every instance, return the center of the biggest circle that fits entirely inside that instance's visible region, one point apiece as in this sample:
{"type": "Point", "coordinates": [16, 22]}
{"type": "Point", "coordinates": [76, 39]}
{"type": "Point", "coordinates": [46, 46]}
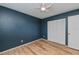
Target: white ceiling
{"type": "Point", "coordinates": [32, 8]}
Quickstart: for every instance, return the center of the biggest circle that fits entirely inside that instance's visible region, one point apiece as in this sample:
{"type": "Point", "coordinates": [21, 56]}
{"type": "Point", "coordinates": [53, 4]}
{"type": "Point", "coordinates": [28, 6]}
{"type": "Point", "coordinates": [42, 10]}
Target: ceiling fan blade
{"type": "Point", "coordinates": [49, 6]}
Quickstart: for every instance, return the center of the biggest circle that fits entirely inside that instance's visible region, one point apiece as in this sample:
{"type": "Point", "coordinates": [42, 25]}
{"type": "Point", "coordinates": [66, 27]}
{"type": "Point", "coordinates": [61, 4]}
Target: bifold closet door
{"type": "Point", "coordinates": [56, 31]}
{"type": "Point", "coordinates": [73, 31]}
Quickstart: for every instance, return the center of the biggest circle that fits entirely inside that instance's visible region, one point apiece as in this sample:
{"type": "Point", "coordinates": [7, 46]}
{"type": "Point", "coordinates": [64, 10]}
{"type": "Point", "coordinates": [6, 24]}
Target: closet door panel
{"type": "Point", "coordinates": [56, 31]}
{"type": "Point", "coordinates": [73, 31]}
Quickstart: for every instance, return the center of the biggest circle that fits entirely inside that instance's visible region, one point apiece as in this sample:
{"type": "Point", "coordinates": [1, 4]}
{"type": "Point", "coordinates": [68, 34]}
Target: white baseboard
{"type": "Point", "coordinates": [21, 45]}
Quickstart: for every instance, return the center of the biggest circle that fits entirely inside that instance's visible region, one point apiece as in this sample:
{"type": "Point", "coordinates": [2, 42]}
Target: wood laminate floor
{"type": "Point", "coordinates": [42, 47]}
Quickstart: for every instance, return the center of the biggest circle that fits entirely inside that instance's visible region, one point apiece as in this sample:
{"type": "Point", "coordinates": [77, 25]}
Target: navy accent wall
{"type": "Point", "coordinates": [16, 26]}
{"type": "Point", "coordinates": [63, 15]}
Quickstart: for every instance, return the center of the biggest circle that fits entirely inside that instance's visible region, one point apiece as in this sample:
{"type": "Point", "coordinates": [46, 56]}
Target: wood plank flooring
{"type": "Point", "coordinates": [42, 47]}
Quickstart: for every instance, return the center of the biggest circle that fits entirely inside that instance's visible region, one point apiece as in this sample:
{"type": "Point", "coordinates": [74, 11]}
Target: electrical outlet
{"type": "Point", "coordinates": [22, 41]}
{"type": "Point", "coordinates": [43, 36]}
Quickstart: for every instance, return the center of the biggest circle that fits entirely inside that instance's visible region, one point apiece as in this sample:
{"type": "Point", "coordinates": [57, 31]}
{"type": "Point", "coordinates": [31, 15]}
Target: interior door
{"type": "Point", "coordinates": [56, 31]}
{"type": "Point", "coordinates": [73, 31]}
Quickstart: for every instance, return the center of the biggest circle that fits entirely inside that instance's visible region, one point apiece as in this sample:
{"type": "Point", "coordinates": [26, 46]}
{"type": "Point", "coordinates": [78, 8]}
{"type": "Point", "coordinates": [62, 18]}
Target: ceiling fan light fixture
{"type": "Point", "coordinates": [43, 9]}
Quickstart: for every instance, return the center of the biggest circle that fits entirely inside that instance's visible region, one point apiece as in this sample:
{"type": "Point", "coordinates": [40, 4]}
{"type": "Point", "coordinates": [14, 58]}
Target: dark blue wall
{"type": "Point", "coordinates": [16, 26]}
{"type": "Point", "coordinates": [64, 15]}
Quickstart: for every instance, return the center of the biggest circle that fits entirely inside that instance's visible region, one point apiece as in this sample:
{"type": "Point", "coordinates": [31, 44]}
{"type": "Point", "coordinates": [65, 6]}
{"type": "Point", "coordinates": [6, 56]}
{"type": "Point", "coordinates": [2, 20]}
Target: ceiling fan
{"type": "Point", "coordinates": [45, 7]}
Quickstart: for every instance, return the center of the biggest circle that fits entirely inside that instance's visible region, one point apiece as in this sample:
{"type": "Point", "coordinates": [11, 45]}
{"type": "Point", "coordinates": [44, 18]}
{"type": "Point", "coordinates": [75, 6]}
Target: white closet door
{"type": "Point", "coordinates": [73, 30]}
{"type": "Point", "coordinates": [56, 31]}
